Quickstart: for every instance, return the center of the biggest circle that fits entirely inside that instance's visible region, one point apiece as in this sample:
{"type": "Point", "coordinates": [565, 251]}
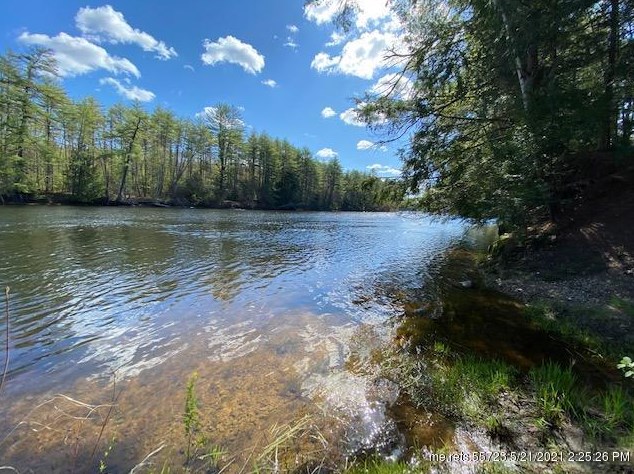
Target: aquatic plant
{"type": "Point", "coordinates": [191, 416]}
{"type": "Point", "coordinates": [103, 466]}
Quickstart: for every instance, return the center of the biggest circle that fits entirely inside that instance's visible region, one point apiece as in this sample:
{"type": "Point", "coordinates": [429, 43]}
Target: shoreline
{"type": "Point", "coordinates": [479, 347]}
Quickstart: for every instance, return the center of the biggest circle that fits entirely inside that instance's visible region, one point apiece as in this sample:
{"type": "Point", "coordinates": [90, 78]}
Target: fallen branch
{"type": "Point", "coordinates": [142, 463]}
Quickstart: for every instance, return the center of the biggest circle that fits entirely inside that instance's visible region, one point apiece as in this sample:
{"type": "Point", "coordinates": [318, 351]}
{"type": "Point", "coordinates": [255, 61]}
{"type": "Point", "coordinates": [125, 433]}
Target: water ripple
{"type": "Point", "coordinates": [94, 290]}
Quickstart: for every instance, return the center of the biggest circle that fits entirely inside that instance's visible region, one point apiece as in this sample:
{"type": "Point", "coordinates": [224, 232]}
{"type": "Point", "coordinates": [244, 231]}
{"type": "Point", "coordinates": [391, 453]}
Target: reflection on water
{"type": "Point", "coordinates": [266, 306]}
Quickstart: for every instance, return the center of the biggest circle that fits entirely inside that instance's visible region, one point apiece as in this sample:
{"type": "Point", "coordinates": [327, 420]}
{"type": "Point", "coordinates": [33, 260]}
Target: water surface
{"type": "Point", "coordinates": [267, 307]}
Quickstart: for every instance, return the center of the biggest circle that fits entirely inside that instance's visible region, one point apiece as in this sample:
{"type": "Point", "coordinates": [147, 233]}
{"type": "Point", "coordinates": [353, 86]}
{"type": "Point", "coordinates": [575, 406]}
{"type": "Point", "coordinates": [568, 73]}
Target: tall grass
{"type": "Point", "coordinates": [556, 392]}
{"type": "Point", "coordinates": [191, 417]}
{"type": "Point", "coordinates": [467, 385]}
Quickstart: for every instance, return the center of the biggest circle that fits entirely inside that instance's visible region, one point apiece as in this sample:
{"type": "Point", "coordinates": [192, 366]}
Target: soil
{"type": "Point", "coordinates": [583, 265]}
{"type": "Point", "coordinates": [586, 259]}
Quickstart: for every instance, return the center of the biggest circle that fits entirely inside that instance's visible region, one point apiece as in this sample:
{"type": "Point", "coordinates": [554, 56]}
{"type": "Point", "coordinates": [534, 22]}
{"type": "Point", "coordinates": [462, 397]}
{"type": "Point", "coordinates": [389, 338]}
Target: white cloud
{"type": "Point", "coordinates": [366, 12]}
{"type": "Point", "coordinates": [350, 117]}
{"type": "Point", "coordinates": [232, 50]}
{"type": "Point", "coordinates": [372, 11]}
{"type": "Point", "coordinates": [326, 153]}
{"type": "Point", "coordinates": [290, 43]}
{"type": "Point", "coordinates": [189, 66]}
{"type": "Point", "coordinates": [292, 28]}
{"type": "Point", "coordinates": [364, 145]}
{"type": "Point", "coordinates": [131, 93]}
{"type": "Point", "coordinates": [324, 11]}
{"type": "Point", "coordinates": [384, 170]}
{"type": "Point", "coordinates": [394, 85]}
{"type": "Point", "coordinates": [360, 57]}
{"type": "Point", "coordinates": [322, 62]}
{"type": "Point", "coordinates": [270, 82]}
{"type": "Point", "coordinates": [106, 24]}
{"type": "Point", "coordinates": [368, 145]}
{"type": "Point", "coordinates": [77, 56]}
{"type": "Point", "coordinates": [328, 112]}
{"type": "Point", "coordinates": [335, 39]}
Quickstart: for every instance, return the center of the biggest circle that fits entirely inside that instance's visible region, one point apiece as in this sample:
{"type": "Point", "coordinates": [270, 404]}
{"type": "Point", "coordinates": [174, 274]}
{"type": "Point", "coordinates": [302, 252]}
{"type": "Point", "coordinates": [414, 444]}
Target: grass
{"type": "Point", "coordinates": [583, 325]}
{"type": "Point", "coordinates": [276, 455]}
{"type": "Point", "coordinates": [464, 387]}
{"type": "Point", "coordinates": [191, 417]}
{"type": "Point", "coordinates": [495, 468]}
{"type": "Point", "coordinates": [550, 319]}
{"type": "Point", "coordinates": [381, 466]}
{"type": "Point", "coordinates": [617, 408]}
{"type": "Point", "coordinates": [556, 392]}
{"type": "Point", "coordinates": [625, 306]}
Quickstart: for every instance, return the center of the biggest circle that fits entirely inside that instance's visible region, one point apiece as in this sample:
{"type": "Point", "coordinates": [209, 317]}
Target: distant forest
{"type": "Point", "coordinates": [75, 151]}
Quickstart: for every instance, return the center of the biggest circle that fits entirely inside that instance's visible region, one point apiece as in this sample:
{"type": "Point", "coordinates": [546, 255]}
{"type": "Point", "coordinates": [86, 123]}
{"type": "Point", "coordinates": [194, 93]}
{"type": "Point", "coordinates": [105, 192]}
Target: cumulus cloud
{"type": "Point", "coordinates": [322, 62]}
{"type": "Point", "coordinates": [328, 112]}
{"type": "Point", "coordinates": [360, 57]}
{"type": "Point", "coordinates": [130, 93]}
{"type": "Point", "coordinates": [270, 82]}
{"type": "Point", "coordinates": [364, 145]}
{"type": "Point", "coordinates": [76, 56]}
{"type": "Point", "coordinates": [232, 50]}
{"type": "Point", "coordinates": [335, 39]}
{"type": "Point", "coordinates": [394, 85]}
{"type": "Point", "coordinates": [292, 28]}
{"type": "Point", "coordinates": [371, 12]}
{"type": "Point", "coordinates": [366, 12]}
{"type": "Point", "coordinates": [322, 12]}
{"type": "Point", "coordinates": [384, 170]}
{"type": "Point", "coordinates": [351, 117]}
{"type": "Point", "coordinates": [368, 145]}
{"type": "Point", "coordinates": [107, 24]}
{"type": "Point", "coordinates": [327, 153]}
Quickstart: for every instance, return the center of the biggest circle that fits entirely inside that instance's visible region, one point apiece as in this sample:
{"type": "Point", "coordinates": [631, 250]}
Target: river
{"type": "Point", "coordinates": [267, 308]}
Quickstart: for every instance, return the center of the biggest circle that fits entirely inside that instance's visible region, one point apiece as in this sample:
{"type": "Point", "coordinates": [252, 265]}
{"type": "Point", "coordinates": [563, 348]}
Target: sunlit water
{"type": "Point", "coordinates": [267, 307]}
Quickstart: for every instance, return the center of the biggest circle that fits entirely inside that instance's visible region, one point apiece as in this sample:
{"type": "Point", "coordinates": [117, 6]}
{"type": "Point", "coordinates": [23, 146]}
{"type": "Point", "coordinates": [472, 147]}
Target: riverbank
{"type": "Point", "coordinates": [531, 381]}
{"type": "Point", "coordinates": [519, 346]}
{"type": "Point", "coordinates": [61, 199]}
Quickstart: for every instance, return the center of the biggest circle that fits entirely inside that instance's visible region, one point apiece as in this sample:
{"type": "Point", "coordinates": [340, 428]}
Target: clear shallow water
{"type": "Point", "coordinates": [154, 294]}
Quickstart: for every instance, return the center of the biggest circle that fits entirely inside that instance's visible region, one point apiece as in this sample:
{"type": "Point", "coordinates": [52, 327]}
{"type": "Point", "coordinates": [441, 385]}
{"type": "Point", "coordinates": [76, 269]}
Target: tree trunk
{"type": "Point", "coordinates": [611, 111]}
{"type": "Point", "coordinates": [126, 165]}
{"type": "Point", "coordinates": [519, 69]}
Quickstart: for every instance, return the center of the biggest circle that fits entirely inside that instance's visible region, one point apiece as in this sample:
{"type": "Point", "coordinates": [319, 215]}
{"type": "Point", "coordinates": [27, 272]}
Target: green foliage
{"type": "Point", "coordinates": [463, 386]}
{"type": "Point", "coordinates": [103, 466]}
{"type": "Point", "coordinates": [617, 409]}
{"type": "Point", "coordinates": [556, 392]}
{"type": "Point", "coordinates": [504, 98]}
{"type": "Point", "coordinates": [191, 416]}
{"type": "Point", "coordinates": [627, 366]}
{"type": "Point", "coordinates": [495, 468]}
{"type": "Point", "coordinates": [379, 466]}
{"type": "Point", "coordinates": [50, 144]}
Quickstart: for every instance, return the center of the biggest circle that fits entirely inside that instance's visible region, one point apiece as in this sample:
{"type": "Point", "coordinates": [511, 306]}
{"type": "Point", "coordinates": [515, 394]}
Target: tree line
{"type": "Point", "coordinates": [508, 106]}
{"type": "Point", "coordinates": [51, 145]}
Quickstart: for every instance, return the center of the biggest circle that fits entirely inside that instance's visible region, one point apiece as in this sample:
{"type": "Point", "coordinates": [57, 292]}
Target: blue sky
{"type": "Point", "coordinates": [288, 69]}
